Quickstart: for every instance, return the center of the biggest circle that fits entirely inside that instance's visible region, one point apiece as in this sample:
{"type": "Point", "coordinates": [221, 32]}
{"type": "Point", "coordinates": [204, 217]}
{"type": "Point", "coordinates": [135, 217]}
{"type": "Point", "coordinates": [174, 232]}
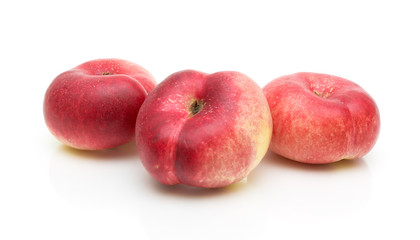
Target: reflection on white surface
{"type": "Point", "coordinates": [316, 190]}
{"type": "Point", "coordinates": [96, 178]}
{"type": "Point", "coordinates": [277, 190]}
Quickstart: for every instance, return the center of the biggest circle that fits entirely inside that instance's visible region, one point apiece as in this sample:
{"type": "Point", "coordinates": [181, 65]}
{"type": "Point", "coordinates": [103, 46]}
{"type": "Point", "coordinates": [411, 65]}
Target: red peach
{"type": "Point", "coordinates": [94, 105]}
{"type": "Point", "coordinates": [203, 130]}
{"type": "Point", "coordinates": [319, 118]}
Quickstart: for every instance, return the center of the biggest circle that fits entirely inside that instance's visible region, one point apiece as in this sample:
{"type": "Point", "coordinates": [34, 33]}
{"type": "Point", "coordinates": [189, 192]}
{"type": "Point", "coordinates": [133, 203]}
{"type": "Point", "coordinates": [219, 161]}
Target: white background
{"type": "Point", "coordinates": [52, 192]}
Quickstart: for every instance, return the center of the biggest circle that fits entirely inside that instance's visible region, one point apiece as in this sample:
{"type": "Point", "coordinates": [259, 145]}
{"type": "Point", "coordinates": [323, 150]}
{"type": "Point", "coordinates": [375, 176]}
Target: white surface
{"type": "Point", "coordinates": [52, 192]}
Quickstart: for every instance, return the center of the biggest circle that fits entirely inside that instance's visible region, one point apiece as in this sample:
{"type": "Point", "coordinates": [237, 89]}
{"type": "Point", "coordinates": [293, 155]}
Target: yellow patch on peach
{"type": "Point", "coordinates": [260, 130]}
{"type": "Point", "coordinates": [262, 142]}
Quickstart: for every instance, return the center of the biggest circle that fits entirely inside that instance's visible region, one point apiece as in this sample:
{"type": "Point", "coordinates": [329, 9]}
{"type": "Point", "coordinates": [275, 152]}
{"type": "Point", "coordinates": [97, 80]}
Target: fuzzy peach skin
{"type": "Point", "coordinates": [94, 105]}
{"type": "Point", "coordinates": [203, 130]}
{"type": "Point", "coordinates": [319, 118]}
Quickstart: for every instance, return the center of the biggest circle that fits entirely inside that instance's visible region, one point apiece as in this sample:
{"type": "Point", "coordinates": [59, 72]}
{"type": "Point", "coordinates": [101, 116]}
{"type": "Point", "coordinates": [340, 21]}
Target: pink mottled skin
{"type": "Point", "coordinates": [203, 130]}
{"type": "Point", "coordinates": [94, 105]}
{"type": "Point", "coordinates": [319, 118]}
